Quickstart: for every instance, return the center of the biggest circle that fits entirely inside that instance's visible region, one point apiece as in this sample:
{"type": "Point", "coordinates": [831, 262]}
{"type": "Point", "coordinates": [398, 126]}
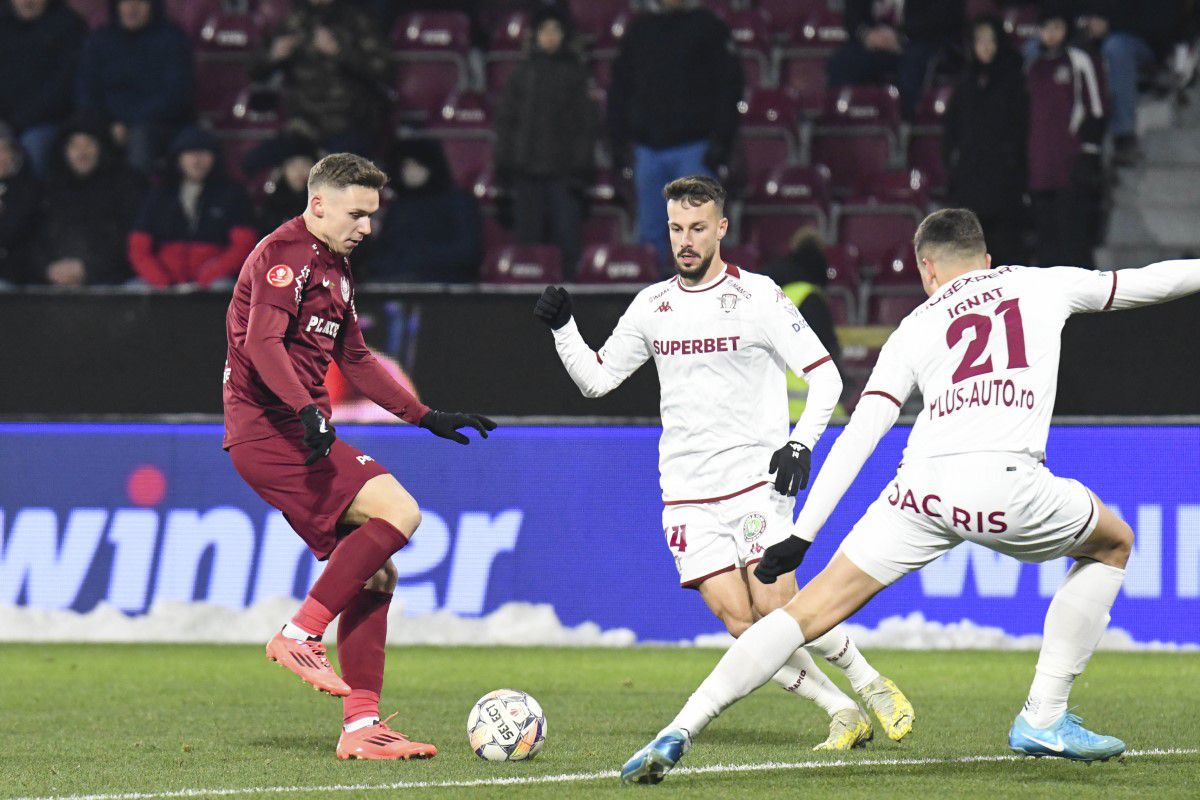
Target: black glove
{"type": "Point", "coordinates": [781, 557]}
{"type": "Point", "coordinates": [553, 307]}
{"type": "Point", "coordinates": [792, 462]}
{"type": "Point", "coordinates": [446, 424]}
{"type": "Point", "coordinates": [318, 433]}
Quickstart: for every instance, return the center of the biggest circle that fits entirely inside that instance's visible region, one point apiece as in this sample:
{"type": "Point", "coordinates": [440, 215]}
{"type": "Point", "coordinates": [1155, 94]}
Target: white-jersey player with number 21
{"type": "Point", "coordinates": [722, 340]}
{"type": "Point", "coordinates": [983, 351]}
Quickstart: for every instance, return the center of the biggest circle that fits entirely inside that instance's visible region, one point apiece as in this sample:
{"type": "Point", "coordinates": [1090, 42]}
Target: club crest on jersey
{"type": "Point", "coordinates": [345, 289]}
{"type": "Point", "coordinates": [754, 526]}
{"type": "Point", "coordinates": [280, 276]}
{"type": "Point", "coordinates": [728, 302]}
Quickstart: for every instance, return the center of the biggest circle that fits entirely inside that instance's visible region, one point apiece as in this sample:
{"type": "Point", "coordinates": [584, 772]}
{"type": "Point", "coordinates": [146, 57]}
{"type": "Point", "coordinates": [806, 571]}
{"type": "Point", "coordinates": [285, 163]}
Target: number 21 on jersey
{"type": "Point", "coordinates": [976, 360]}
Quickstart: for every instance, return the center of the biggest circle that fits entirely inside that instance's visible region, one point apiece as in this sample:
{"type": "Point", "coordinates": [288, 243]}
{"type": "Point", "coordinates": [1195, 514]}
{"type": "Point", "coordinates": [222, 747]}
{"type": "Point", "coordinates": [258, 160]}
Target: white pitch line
{"type": "Point", "coordinates": [573, 777]}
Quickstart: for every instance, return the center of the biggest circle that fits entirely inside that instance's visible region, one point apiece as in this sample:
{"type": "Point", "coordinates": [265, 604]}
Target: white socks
{"type": "Point", "coordinates": [754, 658]}
{"type": "Point", "coordinates": [299, 634]}
{"type": "Point", "coordinates": [1075, 621]}
{"type": "Point", "coordinates": [801, 676]}
{"type": "Point", "coordinates": [839, 649]}
{"type": "Point", "coordinates": [359, 724]}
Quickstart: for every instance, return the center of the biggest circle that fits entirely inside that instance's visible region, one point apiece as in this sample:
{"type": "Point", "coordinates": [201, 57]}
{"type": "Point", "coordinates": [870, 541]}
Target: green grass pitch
{"type": "Point", "coordinates": [116, 720]}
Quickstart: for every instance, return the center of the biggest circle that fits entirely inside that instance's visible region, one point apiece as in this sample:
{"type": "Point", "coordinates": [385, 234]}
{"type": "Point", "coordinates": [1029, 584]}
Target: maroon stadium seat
{"type": "Point", "coordinates": [856, 134]}
{"type": "Point", "coordinates": [743, 256]}
{"type": "Point", "coordinates": [787, 16]}
{"type": "Point", "coordinates": [895, 289]}
{"type": "Point", "coordinates": [750, 30]}
{"type": "Point", "coordinates": [432, 33]}
{"type": "Point", "coordinates": [618, 263]}
{"type": "Point", "coordinates": [790, 198]}
{"type": "Point", "coordinates": [430, 51]}
{"type": "Point", "coordinates": [487, 192]}
{"type": "Point", "coordinates": [925, 138]}
{"type": "Point", "coordinates": [223, 31]}
{"type": "Point", "coordinates": [842, 291]}
{"type": "Point", "coordinates": [593, 18]}
{"type": "Point", "coordinates": [523, 263]}
{"type": "Point", "coordinates": [608, 219]}
{"type": "Point", "coordinates": [506, 49]}
{"type": "Point", "coordinates": [886, 209]}
{"type": "Point", "coordinates": [804, 75]}
{"type": "Point", "coordinates": [94, 12]}
{"type": "Point", "coordinates": [234, 147]}
{"type": "Point", "coordinates": [220, 79]}
{"type": "Point", "coordinates": [768, 132]}
{"type": "Point", "coordinates": [256, 109]}
{"type": "Point", "coordinates": [1021, 21]}
{"type": "Point", "coordinates": [422, 86]}
{"type": "Point", "coordinates": [464, 126]}
{"type": "Point", "coordinates": [822, 32]}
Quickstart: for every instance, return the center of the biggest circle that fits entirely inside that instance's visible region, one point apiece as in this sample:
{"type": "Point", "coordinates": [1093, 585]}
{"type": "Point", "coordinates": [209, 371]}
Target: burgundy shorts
{"type": "Point", "coordinates": [312, 499]}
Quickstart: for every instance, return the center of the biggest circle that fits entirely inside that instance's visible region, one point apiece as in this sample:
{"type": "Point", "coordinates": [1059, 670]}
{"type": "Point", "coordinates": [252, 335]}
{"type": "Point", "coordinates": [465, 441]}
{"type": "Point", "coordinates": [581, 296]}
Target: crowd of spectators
{"type": "Point", "coordinates": [109, 175]}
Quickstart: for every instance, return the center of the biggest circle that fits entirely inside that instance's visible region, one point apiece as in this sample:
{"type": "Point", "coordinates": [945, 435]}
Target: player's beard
{"type": "Point", "coordinates": [696, 272]}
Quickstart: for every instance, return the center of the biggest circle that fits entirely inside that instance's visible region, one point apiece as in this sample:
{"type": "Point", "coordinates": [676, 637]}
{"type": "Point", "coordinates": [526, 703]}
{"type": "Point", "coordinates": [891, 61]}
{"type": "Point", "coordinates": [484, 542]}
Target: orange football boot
{"type": "Point", "coordinates": [378, 741]}
{"type": "Point", "coordinates": [308, 660]}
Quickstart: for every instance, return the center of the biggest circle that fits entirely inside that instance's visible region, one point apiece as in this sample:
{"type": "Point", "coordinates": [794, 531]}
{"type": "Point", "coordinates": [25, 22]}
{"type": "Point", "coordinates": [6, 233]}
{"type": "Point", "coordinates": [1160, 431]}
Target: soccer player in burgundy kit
{"type": "Point", "coordinates": [292, 312]}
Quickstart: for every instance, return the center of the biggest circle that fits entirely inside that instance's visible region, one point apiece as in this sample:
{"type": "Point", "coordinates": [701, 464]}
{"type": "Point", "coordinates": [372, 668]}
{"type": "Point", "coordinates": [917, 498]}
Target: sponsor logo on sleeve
{"type": "Point", "coordinates": [280, 276]}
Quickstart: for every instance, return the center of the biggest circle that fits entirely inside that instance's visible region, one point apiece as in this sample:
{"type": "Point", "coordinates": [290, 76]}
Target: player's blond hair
{"type": "Point", "coordinates": [696, 190]}
{"type": "Point", "coordinates": [339, 170]}
{"type": "Point", "coordinates": [952, 233]}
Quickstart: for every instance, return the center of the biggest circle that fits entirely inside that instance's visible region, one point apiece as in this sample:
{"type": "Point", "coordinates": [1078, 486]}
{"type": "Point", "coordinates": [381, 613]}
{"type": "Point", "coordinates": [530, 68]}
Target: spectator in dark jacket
{"type": "Point", "coordinates": [39, 52]}
{"type": "Point", "coordinates": [901, 36]}
{"type": "Point", "coordinates": [432, 231]}
{"type": "Point", "coordinates": [1132, 36]}
{"type": "Point", "coordinates": [1066, 127]}
{"type": "Point", "coordinates": [137, 73]}
{"type": "Point", "coordinates": [986, 136]}
{"type": "Point", "coordinates": [674, 93]}
{"type": "Point", "coordinates": [196, 228]}
{"type": "Point", "coordinates": [20, 201]}
{"type": "Point", "coordinates": [334, 66]}
{"type": "Point", "coordinates": [91, 199]}
{"type": "Point", "coordinates": [546, 139]}
{"type": "Point", "coordinates": [287, 184]}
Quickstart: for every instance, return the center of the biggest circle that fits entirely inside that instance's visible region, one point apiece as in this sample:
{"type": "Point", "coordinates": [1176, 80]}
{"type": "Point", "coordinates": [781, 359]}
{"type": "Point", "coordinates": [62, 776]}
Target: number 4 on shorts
{"type": "Point", "coordinates": [679, 538]}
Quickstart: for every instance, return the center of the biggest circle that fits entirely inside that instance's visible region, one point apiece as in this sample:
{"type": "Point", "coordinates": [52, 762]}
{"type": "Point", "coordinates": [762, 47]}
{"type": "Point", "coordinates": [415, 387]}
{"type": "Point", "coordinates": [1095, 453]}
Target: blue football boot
{"type": "Point", "coordinates": [656, 759]}
{"type": "Point", "coordinates": [1066, 738]}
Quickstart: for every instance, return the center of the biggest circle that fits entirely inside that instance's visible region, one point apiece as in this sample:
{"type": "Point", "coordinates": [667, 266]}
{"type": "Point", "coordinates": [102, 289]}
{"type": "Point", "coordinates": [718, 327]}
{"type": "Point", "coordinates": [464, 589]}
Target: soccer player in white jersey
{"type": "Point", "coordinates": [721, 339]}
{"type": "Point", "coordinates": [983, 351]}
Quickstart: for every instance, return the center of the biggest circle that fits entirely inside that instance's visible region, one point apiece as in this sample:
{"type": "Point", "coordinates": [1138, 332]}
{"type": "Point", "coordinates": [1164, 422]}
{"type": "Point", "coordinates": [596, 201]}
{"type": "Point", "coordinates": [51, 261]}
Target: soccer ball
{"type": "Point", "coordinates": [506, 725]}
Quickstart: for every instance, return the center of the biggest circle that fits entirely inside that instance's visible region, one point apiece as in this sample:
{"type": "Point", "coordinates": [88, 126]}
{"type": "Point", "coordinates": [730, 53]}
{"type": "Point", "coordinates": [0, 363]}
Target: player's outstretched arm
{"type": "Point", "coordinates": [1156, 283]}
{"type": "Point", "coordinates": [874, 416]}
{"type": "Point", "coordinates": [596, 375]}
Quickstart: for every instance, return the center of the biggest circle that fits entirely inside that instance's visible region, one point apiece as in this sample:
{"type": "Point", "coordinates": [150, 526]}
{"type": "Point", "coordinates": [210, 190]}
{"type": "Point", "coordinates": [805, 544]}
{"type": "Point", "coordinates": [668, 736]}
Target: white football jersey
{"type": "Point", "coordinates": [983, 352]}
{"type": "Point", "coordinates": [721, 350]}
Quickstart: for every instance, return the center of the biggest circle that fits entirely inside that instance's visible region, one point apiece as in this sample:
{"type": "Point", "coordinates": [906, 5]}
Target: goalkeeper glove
{"type": "Point", "coordinates": [318, 433]}
{"type": "Point", "coordinates": [780, 558]}
{"type": "Point", "coordinates": [553, 307]}
{"type": "Point", "coordinates": [446, 424]}
{"type": "Point", "coordinates": [792, 462]}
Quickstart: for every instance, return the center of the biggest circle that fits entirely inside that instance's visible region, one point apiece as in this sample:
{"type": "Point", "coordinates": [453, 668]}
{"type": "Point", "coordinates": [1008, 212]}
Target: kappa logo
{"type": "Point", "coordinates": [280, 276]}
{"type": "Point", "coordinates": [664, 306]}
{"type": "Point", "coordinates": [363, 459]}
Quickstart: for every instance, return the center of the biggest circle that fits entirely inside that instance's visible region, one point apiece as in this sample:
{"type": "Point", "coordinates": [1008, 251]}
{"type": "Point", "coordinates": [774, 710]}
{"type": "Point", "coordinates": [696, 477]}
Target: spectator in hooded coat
{"type": "Point", "coordinates": [432, 230]}
{"type": "Point", "coordinates": [985, 140]}
{"type": "Point", "coordinates": [286, 193]}
{"type": "Point", "coordinates": [91, 198]}
{"type": "Point", "coordinates": [196, 228]}
{"type": "Point", "coordinates": [40, 42]}
{"type": "Point", "coordinates": [137, 73]}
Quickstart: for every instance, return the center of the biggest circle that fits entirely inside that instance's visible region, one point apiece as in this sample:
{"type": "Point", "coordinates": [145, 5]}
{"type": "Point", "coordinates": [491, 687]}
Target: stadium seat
{"type": "Point", "coordinates": [822, 32]}
{"type": "Point", "coordinates": [842, 291]}
{"type": "Point", "coordinates": [220, 79]}
{"type": "Point", "coordinates": [255, 109]}
{"type": "Point", "coordinates": [506, 49]}
{"type": "Point", "coordinates": [896, 289]}
{"type": "Point", "coordinates": [464, 127]}
{"type": "Point", "coordinates": [593, 18]}
{"type": "Point", "coordinates": [886, 209]}
{"type": "Point", "coordinates": [743, 256]}
{"type": "Point", "coordinates": [856, 134]}
{"type": "Point", "coordinates": [430, 52]}
{"type": "Point", "coordinates": [1021, 21]}
{"type": "Point", "coordinates": [803, 74]}
{"type": "Point", "coordinates": [608, 220]}
{"type": "Point", "coordinates": [618, 263]}
{"type": "Point", "coordinates": [789, 198]}
{"type": "Point", "coordinates": [223, 30]}
{"type": "Point", "coordinates": [787, 16]}
{"type": "Point", "coordinates": [768, 132]}
{"type": "Point", "coordinates": [489, 196]}
{"type": "Point", "coordinates": [925, 138]}
{"type": "Point", "coordinates": [750, 30]}
{"type": "Point", "coordinates": [523, 263]}
{"type": "Point", "coordinates": [94, 12]}
{"type": "Point", "coordinates": [234, 147]}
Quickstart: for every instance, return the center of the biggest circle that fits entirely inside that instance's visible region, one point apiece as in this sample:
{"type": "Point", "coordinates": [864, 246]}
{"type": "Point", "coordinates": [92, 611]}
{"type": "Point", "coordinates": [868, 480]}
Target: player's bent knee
{"type": "Point", "coordinates": [736, 625]}
{"type": "Point", "coordinates": [385, 579]}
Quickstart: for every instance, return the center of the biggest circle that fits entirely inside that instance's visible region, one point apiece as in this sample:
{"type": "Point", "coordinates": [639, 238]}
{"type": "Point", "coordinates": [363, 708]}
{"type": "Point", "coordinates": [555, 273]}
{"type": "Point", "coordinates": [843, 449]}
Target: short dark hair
{"type": "Point", "coordinates": [696, 190]}
{"type": "Point", "coordinates": [953, 231]}
{"type": "Point", "coordinates": [340, 170]}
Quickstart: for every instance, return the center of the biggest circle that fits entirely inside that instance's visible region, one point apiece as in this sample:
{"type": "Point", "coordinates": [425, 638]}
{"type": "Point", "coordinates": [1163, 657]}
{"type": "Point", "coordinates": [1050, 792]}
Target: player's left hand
{"type": "Point", "coordinates": [781, 558]}
{"type": "Point", "coordinates": [790, 464]}
{"type": "Point", "coordinates": [446, 424]}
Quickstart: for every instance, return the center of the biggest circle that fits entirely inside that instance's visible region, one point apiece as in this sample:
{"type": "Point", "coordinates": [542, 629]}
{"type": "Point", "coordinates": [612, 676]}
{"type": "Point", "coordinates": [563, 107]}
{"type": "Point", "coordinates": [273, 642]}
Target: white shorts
{"type": "Point", "coordinates": [708, 539]}
{"type": "Point", "coordinates": [1005, 502]}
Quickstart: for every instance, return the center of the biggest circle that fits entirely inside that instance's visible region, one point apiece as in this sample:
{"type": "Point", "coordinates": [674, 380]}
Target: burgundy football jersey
{"type": "Point", "coordinates": [293, 270]}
